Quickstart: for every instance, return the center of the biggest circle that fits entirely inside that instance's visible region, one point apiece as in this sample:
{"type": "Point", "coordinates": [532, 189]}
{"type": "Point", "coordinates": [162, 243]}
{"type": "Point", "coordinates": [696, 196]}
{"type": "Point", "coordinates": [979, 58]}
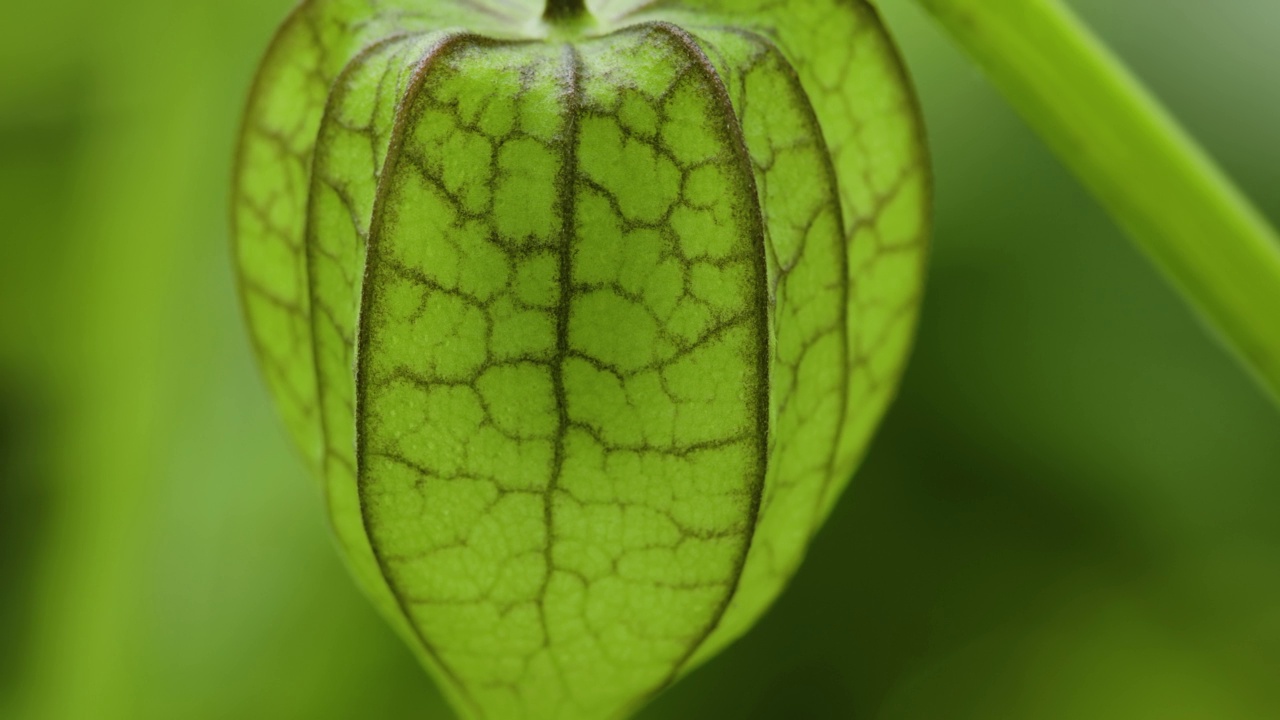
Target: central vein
{"type": "Point", "coordinates": [566, 188]}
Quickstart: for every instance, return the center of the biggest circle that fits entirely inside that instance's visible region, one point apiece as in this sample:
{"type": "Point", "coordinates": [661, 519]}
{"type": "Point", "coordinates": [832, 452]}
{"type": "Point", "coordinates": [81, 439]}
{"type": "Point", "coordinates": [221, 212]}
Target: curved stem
{"type": "Point", "coordinates": [1170, 197]}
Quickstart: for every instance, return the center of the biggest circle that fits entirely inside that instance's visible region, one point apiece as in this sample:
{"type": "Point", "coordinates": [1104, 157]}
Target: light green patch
{"type": "Point", "coordinates": [642, 181]}
{"type": "Point", "coordinates": [612, 330]}
{"type": "Point", "coordinates": [524, 195]}
{"type": "Point", "coordinates": [519, 333]}
{"type": "Point", "coordinates": [520, 399]}
{"type": "Point", "coordinates": [637, 115]}
{"type": "Point", "coordinates": [536, 280]}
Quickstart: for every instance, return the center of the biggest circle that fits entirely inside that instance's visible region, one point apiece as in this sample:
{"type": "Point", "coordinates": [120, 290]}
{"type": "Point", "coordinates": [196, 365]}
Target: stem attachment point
{"type": "Point", "coordinates": [565, 11]}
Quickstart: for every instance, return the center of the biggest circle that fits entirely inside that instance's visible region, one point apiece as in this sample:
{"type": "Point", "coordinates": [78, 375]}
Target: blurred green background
{"type": "Point", "coordinates": [1072, 512]}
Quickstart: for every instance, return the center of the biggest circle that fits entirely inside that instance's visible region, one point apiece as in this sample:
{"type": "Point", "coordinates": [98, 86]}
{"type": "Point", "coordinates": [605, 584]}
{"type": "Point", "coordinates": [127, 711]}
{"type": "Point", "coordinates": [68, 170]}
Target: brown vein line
{"type": "Point", "coordinates": [922, 161]}
{"type": "Point", "coordinates": [915, 115]}
{"type": "Point", "coordinates": [311, 233]}
{"type": "Point", "coordinates": [247, 120]}
{"type": "Point", "coordinates": [828, 167]}
{"type": "Point", "coordinates": [567, 200]}
{"type": "Point", "coordinates": [686, 43]}
{"type": "Point", "coordinates": [400, 129]}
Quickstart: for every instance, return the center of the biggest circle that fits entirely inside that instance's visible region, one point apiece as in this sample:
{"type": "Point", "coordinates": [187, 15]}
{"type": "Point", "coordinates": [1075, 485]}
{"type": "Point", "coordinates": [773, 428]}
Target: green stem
{"type": "Point", "coordinates": [1179, 207]}
{"type": "Point", "coordinates": [564, 10]}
